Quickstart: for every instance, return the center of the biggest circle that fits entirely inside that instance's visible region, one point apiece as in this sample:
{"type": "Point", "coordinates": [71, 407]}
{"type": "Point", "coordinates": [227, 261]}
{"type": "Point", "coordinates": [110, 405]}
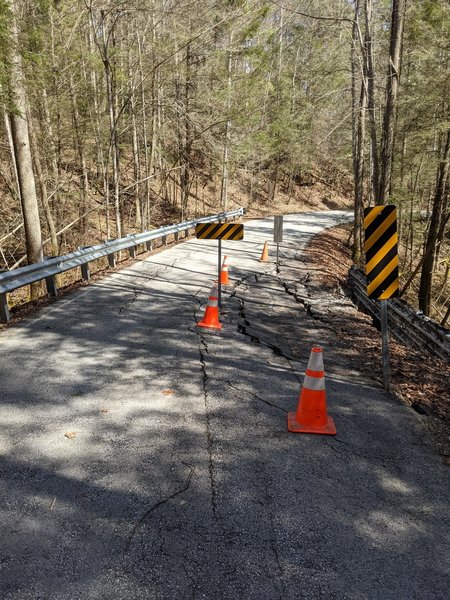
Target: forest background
{"type": "Point", "coordinates": [121, 116]}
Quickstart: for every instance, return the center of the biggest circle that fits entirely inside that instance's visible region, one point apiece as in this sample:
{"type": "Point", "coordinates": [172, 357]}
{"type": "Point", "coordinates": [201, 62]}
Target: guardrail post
{"type": "Point", "coordinates": [176, 236]}
{"type": "Point", "coordinates": [52, 289]}
{"type": "Point", "coordinates": [5, 315]}
{"type": "Point", "coordinates": [132, 250]}
{"type": "Point", "coordinates": [50, 282]}
{"type": "Point", "coordinates": [112, 260]}
{"type": "Point", "coordinates": [186, 233]}
{"type": "Point", "coordinates": [85, 273]}
{"type": "Point", "coordinates": [49, 273]}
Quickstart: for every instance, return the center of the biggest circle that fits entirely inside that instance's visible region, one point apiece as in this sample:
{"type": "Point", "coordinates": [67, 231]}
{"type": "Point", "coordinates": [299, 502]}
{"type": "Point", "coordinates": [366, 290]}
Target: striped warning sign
{"type": "Point", "coordinates": [380, 232]}
{"type": "Point", "coordinates": [222, 231]}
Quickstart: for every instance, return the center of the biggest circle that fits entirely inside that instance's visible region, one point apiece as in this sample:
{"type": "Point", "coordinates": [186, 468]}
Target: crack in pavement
{"type": "Point", "coordinates": [209, 438]}
{"type": "Point", "coordinates": [203, 350]}
{"type": "Point", "coordinates": [192, 580]}
{"type": "Point", "coordinates": [128, 303]}
{"type": "Point", "coordinates": [273, 539]}
{"type": "Point", "coordinates": [257, 397]}
{"type": "Point", "coordinates": [243, 329]}
{"type": "Point", "coordinates": [136, 291]}
{"type": "Point", "coordinates": [291, 289]}
{"type": "Point", "coordinates": [356, 451]}
{"type": "Point", "coordinates": [160, 503]}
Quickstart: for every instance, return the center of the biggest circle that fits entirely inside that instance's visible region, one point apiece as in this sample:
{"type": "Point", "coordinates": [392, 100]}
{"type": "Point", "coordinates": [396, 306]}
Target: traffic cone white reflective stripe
{"type": "Point", "coordinates": [213, 298]}
{"type": "Point", "coordinates": [311, 415]}
{"type": "Point", "coordinates": [315, 362]}
{"type": "Point", "coordinates": [314, 383]}
{"type": "Point", "coordinates": [315, 374]}
{"type": "Point", "coordinates": [211, 316]}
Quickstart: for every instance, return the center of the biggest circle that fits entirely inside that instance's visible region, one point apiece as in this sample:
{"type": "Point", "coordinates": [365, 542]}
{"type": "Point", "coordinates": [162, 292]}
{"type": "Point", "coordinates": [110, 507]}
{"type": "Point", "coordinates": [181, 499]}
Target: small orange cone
{"type": "Point", "coordinates": [224, 272]}
{"type": "Point", "coordinates": [311, 415]}
{"type": "Point", "coordinates": [211, 316]}
{"type": "Point", "coordinates": [265, 253]}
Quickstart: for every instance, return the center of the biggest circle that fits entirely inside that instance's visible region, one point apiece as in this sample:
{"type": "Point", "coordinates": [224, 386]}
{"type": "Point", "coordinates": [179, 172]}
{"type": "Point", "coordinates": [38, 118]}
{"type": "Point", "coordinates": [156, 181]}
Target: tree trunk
{"type": "Point", "coordinates": [81, 155]}
{"type": "Point", "coordinates": [104, 37]}
{"type": "Point", "coordinates": [186, 178]}
{"type": "Point", "coordinates": [224, 184]}
{"type": "Point", "coordinates": [426, 276]}
{"type": "Point", "coordinates": [370, 73]}
{"type": "Point", "coordinates": [22, 151]}
{"type": "Point", "coordinates": [147, 155]}
{"type": "Point", "coordinates": [359, 111]}
{"type": "Point", "coordinates": [15, 191]}
{"type": "Point", "coordinates": [390, 113]}
{"type": "Point", "coordinates": [43, 189]}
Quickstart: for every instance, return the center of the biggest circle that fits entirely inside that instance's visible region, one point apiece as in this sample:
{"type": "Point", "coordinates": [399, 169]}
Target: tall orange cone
{"type": "Point", "coordinates": [311, 415]}
{"type": "Point", "coordinates": [211, 316]}
{"type": "Point", "coordinates": [224, 272]}
{"type": "Point", "coordinates": [265, 253]}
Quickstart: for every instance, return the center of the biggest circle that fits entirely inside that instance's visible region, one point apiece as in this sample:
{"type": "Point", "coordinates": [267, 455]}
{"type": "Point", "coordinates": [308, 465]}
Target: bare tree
{"type": "Point", "coordinates": [359, 103]}
{"type": "Point", "coordinates": [390, 112]}
{"type": "Point", "coordinates": [434, 229]}
{"type": "Point", "coordinates": [22, 151]}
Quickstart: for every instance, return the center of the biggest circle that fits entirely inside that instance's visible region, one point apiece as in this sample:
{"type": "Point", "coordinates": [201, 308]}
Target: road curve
{"type": "Point", "coordinates": [180, 479]}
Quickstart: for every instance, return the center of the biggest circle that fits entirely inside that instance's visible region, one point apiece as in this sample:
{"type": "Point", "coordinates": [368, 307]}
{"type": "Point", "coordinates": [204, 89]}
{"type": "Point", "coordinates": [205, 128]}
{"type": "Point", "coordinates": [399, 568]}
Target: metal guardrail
{"type": "Point", "coordinates": [47, 269]}
{"type": "Point", "coordinates": [411, 327]}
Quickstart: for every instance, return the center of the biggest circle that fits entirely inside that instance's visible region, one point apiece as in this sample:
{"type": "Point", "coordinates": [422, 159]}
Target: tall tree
{"type": "Point", "coordinates": [21, 142]}
{"type": "Point", "coordinates": [435, 225]}
{"type": "Point", "coordinates": [359, 104]}
{"type": "Point", "coordinates": [390, 111]}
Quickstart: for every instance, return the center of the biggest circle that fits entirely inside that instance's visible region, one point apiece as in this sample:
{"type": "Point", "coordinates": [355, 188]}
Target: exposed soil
{"type": "Point", "coordinates": [420, 380]}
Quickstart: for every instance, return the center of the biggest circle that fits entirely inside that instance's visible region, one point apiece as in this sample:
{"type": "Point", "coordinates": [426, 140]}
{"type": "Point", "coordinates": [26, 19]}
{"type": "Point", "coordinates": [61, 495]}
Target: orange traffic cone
{"type": "Point", "coordinates": [311, 415]}
{"type": "Point", "coordinates": [224, 272]}
{"type": "Point", "coordinates": [211, 316]}
{"type": "Point", "coordinates": [265, 253]}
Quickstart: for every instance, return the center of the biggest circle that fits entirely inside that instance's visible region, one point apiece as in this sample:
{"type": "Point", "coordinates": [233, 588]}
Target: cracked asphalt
{"type": "Point", "coordinates": [181, 480]}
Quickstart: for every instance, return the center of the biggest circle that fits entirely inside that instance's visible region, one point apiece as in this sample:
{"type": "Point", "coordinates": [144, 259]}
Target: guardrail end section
{"type": "Point", "coordinates": [5, 315]}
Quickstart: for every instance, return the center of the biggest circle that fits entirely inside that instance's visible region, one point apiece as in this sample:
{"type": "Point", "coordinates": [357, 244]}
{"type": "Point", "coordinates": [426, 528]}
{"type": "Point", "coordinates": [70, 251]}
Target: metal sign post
{"type": "Point", "coordinates": [278, 235]}
{"type": "Point", "coordinates": [385, 344]}
{"type": "Point", "coordinates": [380, 233]}
{"type": "Point", "coordinates": [219, 231]}
{"type": "Point", "coordinates": [219, 268]}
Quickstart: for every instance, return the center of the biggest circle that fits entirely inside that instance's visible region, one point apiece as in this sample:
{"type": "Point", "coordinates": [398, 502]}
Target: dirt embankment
{"type": "Point", "coordinates": [418, 379]}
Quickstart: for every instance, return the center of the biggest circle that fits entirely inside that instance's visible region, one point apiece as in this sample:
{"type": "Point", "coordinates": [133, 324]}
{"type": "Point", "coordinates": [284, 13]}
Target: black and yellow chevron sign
{"type": "Point", "coordinates": [222, 231]}
{"type": "Point", "coordinates": [380, 232]}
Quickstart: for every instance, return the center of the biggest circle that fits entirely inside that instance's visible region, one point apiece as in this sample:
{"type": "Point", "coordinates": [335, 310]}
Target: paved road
{"type": "Point", "coordinates": [182, 481]}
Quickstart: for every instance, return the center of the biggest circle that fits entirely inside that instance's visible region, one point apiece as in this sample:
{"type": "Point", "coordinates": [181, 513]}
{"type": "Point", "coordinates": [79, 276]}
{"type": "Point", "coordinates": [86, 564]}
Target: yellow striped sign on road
{"type": "Point", "coordinates": [380, 232]}
{"type": "Point", "coordinates": [220, 231]}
